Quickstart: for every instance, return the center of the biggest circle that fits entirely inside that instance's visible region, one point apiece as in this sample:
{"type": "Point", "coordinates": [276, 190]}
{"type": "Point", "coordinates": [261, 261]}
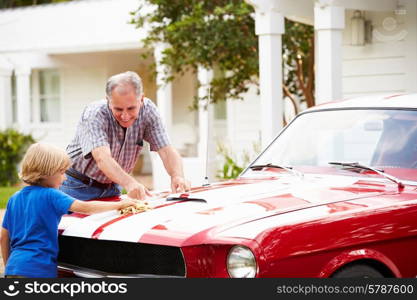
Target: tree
{"type": "Point", "coordinates": [18, 3]}
{"type": "Point", "coordinates": [216, 34]}
{"type": "Point", "coordinates": [298, 63]}
{"type": "Point", "coordinates": [220, 35]}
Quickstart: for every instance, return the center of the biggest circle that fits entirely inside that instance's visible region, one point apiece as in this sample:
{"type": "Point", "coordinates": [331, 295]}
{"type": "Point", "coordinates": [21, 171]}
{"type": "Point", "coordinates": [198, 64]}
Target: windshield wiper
{"type": "Point", "coordinates": [289, 169]}
{"type": "Point", "coordinates": [356, 165]}
{"type": "Point", "coordinates": [183, 198]}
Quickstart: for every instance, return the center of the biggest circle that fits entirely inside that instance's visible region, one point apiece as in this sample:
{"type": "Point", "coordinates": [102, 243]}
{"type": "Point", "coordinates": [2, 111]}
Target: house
{"type": "Point", "coordinates": [361, 47]}
{"type": "Point", "coordinates": [56, 58]}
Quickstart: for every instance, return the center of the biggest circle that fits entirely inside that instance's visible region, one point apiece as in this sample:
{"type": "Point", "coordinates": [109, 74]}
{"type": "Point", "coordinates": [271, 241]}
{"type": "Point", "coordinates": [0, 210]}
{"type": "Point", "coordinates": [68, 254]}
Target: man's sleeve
{"type": "Point", "coordinates": [155, 133]}
{"type": "Point", "coordinates": [60, 201]}
{"type": "Point", "coordinates": [93, 133]}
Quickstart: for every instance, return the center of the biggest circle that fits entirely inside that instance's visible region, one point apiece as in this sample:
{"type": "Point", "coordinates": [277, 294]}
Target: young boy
{"type": "Point", "coordinates": [29, 236]}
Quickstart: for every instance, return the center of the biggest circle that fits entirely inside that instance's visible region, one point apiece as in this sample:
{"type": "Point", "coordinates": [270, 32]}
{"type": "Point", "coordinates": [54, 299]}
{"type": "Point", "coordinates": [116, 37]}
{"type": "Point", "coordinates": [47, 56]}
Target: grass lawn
{"type": "Point", "coordinates": [5, 193]}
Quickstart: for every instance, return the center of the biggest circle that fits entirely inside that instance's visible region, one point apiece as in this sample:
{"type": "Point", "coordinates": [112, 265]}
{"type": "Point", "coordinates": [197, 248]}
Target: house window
{"type": "Point", "coordinates": [49, 96]}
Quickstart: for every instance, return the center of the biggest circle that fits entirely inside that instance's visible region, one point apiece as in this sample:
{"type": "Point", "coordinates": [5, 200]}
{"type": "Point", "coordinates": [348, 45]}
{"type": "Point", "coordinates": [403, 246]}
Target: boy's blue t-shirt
{"type": "Point", "coordinates": [32, 219]}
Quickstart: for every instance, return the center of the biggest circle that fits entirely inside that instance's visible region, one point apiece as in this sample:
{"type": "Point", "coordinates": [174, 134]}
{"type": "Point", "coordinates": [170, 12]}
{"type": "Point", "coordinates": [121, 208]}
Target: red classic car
{"type": "Point", "coordinates": [333, 195]}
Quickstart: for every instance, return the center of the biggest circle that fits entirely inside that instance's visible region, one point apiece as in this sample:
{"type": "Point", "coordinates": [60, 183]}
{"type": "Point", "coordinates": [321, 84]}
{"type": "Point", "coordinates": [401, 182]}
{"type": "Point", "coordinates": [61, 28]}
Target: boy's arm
{"type": "Point", "coordinates": [91, 207]}
{"type": "Point", "coordinates": [5, 245]}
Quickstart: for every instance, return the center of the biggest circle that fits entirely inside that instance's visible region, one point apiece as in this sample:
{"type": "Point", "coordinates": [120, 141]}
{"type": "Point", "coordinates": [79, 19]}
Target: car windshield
{"type": "Point", "coordinates": [382, 138]}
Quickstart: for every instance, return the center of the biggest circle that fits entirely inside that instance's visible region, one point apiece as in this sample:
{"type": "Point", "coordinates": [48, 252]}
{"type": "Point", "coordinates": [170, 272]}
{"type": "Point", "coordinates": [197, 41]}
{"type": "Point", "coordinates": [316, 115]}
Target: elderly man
{"type": "Point", "coordinates": [108, 141]}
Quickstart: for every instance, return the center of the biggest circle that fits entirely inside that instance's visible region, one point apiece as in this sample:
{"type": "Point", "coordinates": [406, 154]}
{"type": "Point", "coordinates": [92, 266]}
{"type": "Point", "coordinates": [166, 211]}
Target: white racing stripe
{"type": "Point", "coordinates": [192, 217]}
{"type": "Point", "coordinates": [85, 227]}
{"type": "Point", "coordinates": [185, 217]}
{"type": "Point", "coordinates": [202, 221]}
{"type": "Point", "coordinates": [133, 227]}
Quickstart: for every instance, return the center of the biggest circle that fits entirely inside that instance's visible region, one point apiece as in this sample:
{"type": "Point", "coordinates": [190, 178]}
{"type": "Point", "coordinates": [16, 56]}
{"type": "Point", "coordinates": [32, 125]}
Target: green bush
{"type": "Point", "coordinates": [231, 168]}
{"type": "Point", "coordinates": [13, 145]}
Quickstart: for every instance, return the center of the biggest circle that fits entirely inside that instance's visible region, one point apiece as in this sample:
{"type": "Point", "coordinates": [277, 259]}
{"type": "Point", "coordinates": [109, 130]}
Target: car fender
{"type": "Point", "coordinates": [354, 255]}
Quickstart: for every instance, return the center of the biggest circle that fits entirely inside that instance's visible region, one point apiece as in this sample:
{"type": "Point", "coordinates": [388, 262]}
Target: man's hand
{"type": "Point", "coordinates": [173, 165]}
{"type": "Point", "coordinates": [179, 184]}
{"type": "Point", "coordinates": [136, 190]}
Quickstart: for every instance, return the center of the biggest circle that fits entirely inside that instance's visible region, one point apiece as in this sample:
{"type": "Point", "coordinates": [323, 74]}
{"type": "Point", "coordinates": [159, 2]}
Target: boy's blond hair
{"type": "Point", "coordinates": [43, 160]}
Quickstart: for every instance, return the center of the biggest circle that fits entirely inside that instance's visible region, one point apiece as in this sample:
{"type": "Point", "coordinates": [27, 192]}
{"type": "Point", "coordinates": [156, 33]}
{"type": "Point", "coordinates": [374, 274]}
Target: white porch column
{"type": "Point", "coordinates": [329, 22]}
{"type": "Point", "coordinates": [206, 145]}
{"type": "Point", "coordinates": [5, 97]}
{"type": "Point", "coordinates": [23, 98]}
{"type": "Point", "coordinates": [164, 89]}
{"type": "Point", "coordinates": [161, 179]}
{"type": "Point", "coordinates": [269, 26]}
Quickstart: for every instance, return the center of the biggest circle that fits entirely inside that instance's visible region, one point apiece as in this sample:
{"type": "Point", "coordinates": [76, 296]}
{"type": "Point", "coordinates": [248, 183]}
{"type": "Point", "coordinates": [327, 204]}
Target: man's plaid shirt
{"type": "Point", "coordinates": [98, 127]}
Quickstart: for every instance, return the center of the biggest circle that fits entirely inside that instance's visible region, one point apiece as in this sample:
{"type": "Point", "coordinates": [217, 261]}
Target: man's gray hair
{"type": "Point", "coordinates": [126, 78]}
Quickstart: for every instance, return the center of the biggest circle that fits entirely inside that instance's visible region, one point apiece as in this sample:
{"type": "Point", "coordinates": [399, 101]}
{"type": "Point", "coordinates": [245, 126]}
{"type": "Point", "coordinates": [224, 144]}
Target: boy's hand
{"type": "Point", "coordinates": [126, 203]}
{"type": "Point", "coordinates": [137, 207]}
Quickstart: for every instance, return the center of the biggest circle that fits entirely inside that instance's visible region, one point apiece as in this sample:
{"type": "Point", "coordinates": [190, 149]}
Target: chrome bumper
{"type": "Point", "coordinates": [90, 273]}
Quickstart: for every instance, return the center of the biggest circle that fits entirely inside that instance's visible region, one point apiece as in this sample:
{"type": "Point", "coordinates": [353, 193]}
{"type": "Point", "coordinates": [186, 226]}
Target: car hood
{"type": "Point", "coordinates": [226, 206]}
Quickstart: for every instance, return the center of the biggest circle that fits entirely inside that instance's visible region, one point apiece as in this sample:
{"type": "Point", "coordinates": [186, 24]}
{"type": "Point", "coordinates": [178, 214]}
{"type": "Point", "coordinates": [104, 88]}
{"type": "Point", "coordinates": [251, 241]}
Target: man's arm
{"type": "Point", "coordinates": [173, 165]}
{"type": "Point", "coordinates": [110, 167]}
{"type": "Point", "coordinates": [5, 245]}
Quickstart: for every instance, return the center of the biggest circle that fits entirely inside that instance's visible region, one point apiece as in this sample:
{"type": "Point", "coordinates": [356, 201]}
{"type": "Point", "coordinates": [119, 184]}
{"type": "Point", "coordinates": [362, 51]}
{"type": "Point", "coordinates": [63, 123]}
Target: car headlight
{"type": "Point", "coordinates": [241, 262]}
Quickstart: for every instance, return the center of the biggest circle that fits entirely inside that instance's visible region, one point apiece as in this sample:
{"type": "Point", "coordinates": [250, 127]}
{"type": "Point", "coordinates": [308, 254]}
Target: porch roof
{"type": "Point", "coordinates": [303, 10]}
